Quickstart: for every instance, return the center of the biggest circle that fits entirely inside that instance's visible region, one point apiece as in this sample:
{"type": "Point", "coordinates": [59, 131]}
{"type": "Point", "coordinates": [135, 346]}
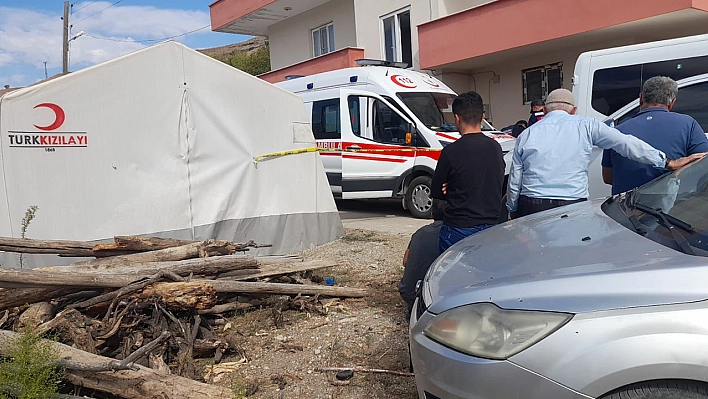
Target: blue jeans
{"type": "Point", "coordinates": [450, 235]}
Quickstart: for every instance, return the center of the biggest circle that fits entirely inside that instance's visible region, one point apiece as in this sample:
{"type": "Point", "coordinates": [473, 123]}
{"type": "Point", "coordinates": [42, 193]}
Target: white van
{"type": "Point", "coordinates": [606, 85]}
{"type": "Point", "coordinates": [400, 118]}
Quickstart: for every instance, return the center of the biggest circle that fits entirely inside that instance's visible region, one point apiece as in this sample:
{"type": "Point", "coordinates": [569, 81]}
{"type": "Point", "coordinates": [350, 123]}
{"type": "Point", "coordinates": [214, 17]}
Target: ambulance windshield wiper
{"type": "Point", "coordinates": [669, 222]}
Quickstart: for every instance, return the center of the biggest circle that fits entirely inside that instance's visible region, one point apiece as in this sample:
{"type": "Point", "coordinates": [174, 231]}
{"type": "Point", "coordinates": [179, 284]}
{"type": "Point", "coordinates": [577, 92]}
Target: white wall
{"type": "Point", "coordinates": [506, 97]}
{"type": "Point", "coordinates": [447, 7]}
{"type": "Point", "coordinates": [290, 41]}
{"type": "Point", "coordinates": [368, 23]}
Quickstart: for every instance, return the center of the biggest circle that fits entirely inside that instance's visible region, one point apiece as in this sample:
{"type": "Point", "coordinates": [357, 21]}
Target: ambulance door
{"type": "Point", "coordinates": [327, 119]}
{"type": "Point", "coordinates": [376, 145]}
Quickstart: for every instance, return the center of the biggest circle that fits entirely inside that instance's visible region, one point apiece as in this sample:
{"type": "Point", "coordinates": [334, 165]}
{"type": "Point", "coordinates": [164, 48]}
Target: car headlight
{"type": "Point", "coordinates": [487, 331]}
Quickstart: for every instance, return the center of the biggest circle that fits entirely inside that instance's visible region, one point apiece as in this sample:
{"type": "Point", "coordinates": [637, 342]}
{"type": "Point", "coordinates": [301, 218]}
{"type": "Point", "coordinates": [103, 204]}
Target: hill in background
{"type": "Point", "coordinates": [251, 56]}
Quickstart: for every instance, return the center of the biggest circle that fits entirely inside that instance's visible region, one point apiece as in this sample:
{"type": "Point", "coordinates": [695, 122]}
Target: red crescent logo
{"type": "Point", "coordinates": [59, 116]}
{"type": "Point", "coordinates": [403, 81]}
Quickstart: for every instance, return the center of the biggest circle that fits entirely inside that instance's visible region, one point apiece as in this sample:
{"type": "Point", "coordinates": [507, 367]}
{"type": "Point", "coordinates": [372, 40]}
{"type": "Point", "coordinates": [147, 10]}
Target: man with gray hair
{"type": "Point", "coordinates": [551, 158]}
{"type": "Point", "coordinates": [677, 135]}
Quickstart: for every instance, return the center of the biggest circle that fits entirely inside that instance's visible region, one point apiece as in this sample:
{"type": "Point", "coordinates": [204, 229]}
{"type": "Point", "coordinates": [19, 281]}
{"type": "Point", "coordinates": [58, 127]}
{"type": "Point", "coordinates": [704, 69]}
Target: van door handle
{"type": "Point", "coordinates": [353, 147]}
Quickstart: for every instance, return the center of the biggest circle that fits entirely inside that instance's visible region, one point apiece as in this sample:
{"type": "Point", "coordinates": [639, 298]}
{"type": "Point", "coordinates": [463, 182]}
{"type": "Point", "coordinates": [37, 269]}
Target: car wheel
{"type": "Point", "coordinates": [661, 390]}
{"type": "Point", "coordinates": [418, 197]}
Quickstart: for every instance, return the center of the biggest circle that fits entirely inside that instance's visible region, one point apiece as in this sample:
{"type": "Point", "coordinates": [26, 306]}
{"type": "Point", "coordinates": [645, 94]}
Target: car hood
{"type": "Point", "coordinates": [569, 259]}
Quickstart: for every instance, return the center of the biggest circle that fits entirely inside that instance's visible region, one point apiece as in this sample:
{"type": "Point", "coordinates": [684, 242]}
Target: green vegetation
{"type": "Point", "coordinates": [255, 63]}
{"type": "Point", "coordinates": [29, 371]}
{"type": "Point", "coordinates": [29, 216]}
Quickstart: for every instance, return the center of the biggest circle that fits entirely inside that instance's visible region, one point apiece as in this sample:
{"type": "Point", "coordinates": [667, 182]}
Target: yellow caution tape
{"type": "Point", "coordinates": [321, 149]}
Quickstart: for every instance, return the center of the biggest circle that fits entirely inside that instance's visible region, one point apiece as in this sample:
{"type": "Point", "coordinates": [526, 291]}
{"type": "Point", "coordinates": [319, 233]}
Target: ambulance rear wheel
{"type": "Point", "coordinates": [418, 197]}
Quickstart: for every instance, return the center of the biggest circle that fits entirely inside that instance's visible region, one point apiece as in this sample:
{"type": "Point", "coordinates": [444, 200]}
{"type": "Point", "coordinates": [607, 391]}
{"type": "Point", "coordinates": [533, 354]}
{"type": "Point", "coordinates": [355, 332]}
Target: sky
{"type": "Point", "coordinates": [31, 33]}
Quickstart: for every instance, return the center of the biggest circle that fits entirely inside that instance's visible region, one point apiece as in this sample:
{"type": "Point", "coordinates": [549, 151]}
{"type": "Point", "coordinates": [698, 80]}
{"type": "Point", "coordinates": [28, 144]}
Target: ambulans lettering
{"type": "Point", "coordinates": [404, 81]}
{"type": "Point", "coordinates": [329, 144]}
{"type": "Point", "coordinates": [47, 136]}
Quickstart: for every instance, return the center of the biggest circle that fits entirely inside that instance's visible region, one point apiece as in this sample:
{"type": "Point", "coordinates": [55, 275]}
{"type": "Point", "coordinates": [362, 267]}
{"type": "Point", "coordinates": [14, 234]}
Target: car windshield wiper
{"type": "Point", "coordinates": [669, 222]}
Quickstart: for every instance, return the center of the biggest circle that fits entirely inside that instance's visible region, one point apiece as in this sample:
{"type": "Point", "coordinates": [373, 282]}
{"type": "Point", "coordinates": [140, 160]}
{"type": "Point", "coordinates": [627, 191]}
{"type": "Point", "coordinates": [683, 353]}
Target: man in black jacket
{"type": "Point", "coordinates": [473, 170]}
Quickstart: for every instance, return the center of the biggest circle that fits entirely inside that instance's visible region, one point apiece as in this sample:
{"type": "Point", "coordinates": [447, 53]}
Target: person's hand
{"type": "Point", "coordinates": [681, 162]}
{"type": "Point", "coordinates": [444, 189]}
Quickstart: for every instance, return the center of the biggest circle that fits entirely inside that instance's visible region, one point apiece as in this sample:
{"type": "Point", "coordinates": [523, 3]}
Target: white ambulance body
{"type": "Point", "coordinates": [401, 117]}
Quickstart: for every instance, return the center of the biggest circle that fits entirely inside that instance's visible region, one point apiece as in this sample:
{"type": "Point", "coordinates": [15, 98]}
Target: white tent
{"type": "Point", "coordinates": [161, 142]}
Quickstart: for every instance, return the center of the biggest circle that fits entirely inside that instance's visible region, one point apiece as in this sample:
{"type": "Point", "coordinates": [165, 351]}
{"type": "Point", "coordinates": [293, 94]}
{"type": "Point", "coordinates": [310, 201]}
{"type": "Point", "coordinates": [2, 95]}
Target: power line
{"type": "Point", "coordinates": [149, 40]}
{"type": "Point", "coordinates": [96, 13]}
{"type": "Point", "coordinates": [72, 7]}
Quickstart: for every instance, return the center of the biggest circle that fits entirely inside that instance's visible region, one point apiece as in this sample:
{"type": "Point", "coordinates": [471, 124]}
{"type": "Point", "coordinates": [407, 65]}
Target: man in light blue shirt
{"type": "Point", "coordinates": [551, 158]}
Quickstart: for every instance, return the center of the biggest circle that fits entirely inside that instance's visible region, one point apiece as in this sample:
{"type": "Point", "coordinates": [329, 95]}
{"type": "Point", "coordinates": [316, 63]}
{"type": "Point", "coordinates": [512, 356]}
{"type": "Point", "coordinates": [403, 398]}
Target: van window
{"type": "Point", "coordinates": [692, 100]}
{"type": "Point", "coordinates": [326, 119]}
{"type": "Point", "coordinates": [613, 88]}
{"type": "Point", "coordinates": [355, 115]}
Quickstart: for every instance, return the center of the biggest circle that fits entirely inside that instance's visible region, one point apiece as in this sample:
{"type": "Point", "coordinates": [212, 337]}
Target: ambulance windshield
{"type": "Point", "coordinates": [435, 110]}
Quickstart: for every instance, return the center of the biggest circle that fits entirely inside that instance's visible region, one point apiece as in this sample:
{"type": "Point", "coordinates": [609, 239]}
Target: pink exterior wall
{"type": "Point", "coordinates": [224, 12]}
{"type": "Point", "coordinates": [339, 59]}
{"type": "Point", "coordinates": [507, 24]}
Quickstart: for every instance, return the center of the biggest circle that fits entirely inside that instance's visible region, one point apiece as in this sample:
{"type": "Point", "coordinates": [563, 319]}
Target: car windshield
{"type": "Point", "coordinates": [681, 198]}
{"type": "Point", "coordinates": [435, 110]}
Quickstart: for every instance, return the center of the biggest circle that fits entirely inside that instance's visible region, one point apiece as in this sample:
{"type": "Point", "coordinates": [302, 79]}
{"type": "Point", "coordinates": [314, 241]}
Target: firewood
{"type": "Point", "coordinates": [208, 267]}
{"type": "Point", "coordinates": [36, 314]}
{"type": "Point", "coordinates": [274, 269]}
{"type": "Point", "coordinates": [30, 246]}
{"type": "Point", "coordinates": [142, 383]}
{"type": "Point", "coordinates": [27, 278]}
{"type": "Point", "coordinates": [140, 244]}
{"type": "Point", "coordinates": [189, 251]}
{"type": "Point", "coordinates": [182, 296]}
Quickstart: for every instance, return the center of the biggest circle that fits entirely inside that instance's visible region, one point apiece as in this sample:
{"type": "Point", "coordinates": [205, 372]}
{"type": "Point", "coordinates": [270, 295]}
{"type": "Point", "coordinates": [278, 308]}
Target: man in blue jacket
{"type": "Point", "coordinates": [675, 134]}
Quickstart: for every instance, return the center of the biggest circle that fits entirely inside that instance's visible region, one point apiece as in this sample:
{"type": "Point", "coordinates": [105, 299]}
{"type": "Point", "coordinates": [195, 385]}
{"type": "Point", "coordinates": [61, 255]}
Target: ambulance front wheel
{"type": "Point", "coordinates": [418, 199]}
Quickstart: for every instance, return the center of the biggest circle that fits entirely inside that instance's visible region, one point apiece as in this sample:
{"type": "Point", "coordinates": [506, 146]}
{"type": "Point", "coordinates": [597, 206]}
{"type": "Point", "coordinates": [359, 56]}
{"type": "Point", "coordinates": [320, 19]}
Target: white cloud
{"type": "Point", "coordinates": [31, 37]}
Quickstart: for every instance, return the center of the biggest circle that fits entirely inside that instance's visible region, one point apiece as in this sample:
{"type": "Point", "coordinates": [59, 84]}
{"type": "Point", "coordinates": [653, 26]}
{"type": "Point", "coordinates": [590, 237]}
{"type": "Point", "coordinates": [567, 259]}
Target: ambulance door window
{"type": "Point", "coordinates": [326, 123]}
{"type": "Point", "coordinates": [389, 127]}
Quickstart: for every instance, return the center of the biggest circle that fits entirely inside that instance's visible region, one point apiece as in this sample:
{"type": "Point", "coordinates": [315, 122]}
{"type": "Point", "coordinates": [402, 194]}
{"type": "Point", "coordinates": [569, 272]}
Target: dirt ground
{"type": "Point", "coordinates": [282, 349]}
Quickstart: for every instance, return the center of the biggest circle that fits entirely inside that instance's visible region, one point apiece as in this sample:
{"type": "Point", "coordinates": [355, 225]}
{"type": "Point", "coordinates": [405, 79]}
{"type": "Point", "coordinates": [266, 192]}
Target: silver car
{"type": "Point", "coordinates": [591, 300]}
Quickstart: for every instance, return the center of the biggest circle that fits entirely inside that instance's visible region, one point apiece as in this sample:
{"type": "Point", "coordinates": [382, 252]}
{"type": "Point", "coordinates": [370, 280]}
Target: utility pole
{"type": "Point", "coordinates": [45, 70]}
{"type": "Point", "coordinates": [65, 47]}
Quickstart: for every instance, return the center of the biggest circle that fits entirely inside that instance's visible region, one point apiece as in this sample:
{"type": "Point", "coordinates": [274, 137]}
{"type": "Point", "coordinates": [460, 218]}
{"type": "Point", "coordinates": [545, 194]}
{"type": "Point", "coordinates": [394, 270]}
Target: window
{"type": "Point", "coordinates": [386, 125]}
{"type": "Point", "coordinates": [326, 119]}
{"type": "Point", "coordinates": [323, 40]}
{"type": "Point", "coordinates": [540, 81]}
{"type": "Point", "coordinates": [397, 37]}
{"type": "Point", "coordinates": [691, 100]}
{"type": "Point", "coordinates": [613, 88]}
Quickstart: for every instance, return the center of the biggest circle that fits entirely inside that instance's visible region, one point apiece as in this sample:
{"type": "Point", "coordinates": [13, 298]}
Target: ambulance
{"type": "Point", "coordinates": [383, 127]}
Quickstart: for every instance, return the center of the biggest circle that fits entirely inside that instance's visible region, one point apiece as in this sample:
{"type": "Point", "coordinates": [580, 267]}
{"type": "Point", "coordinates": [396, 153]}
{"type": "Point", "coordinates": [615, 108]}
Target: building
{"type": "Point", "coordinates": [510, 51]}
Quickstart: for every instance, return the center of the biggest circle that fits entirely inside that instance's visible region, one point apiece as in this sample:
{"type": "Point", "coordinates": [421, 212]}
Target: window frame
{"type": "Point", "coordinates": [331, 47]}
{"type": "Point", "coordinates": [397, 42]}
{"type": "Point", "coordinates": [367, 128]}
{"type": "Point", "coordinates": [544, 69]}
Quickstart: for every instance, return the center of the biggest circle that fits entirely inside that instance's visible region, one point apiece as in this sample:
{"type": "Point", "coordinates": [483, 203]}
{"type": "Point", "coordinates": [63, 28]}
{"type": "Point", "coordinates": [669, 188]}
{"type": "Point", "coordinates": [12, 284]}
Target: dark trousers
{"type": "Point", "coordinates": [528, 205]}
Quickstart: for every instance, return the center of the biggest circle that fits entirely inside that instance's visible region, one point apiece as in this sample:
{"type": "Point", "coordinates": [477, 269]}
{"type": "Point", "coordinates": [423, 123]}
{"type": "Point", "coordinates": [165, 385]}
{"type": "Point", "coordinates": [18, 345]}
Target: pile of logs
{"type": "Point", "coordinates": [131, 321]}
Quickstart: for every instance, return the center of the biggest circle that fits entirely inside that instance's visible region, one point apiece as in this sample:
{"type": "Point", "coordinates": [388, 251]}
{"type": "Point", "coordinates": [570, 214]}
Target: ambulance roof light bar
{"type": "Point", "coordinates": [373, 62]}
